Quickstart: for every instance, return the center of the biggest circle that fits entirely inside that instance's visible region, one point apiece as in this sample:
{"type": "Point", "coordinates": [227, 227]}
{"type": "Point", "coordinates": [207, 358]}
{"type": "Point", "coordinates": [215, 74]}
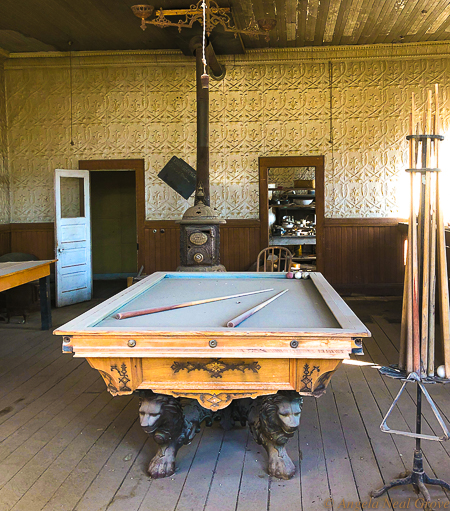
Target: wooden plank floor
{"type": "Point", "coordinates": [66, 444]}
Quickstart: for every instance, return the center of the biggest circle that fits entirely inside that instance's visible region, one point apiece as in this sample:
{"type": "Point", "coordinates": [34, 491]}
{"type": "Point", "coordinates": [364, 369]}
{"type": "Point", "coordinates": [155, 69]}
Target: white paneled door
{"type": "Point", "coordinates": [73, 237]}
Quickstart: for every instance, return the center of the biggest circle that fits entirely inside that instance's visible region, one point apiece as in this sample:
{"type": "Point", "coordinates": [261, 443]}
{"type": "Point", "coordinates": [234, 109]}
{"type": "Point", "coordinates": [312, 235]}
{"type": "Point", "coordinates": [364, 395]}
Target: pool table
{"type": "Point", "coordinates": [295, 343]}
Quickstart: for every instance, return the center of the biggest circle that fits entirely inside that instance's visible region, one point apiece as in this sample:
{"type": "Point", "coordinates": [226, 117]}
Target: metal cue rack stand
{"type": "Point", "coordinates": [425, 276]}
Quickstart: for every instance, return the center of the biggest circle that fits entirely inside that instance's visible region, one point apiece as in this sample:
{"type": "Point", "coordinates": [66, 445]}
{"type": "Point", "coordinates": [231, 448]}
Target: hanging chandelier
{"type": "Point", "coordinates": [214, 16]}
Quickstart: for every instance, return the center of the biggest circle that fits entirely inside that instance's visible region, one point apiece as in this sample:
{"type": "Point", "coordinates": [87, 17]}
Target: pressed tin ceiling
{"type": "Point", "coordinates": [49, 25]}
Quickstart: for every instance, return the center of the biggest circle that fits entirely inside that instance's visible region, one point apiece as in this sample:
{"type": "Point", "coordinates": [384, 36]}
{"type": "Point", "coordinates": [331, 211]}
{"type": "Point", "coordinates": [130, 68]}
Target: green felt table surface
{"type": "Point", "coordinates": [301, 307]}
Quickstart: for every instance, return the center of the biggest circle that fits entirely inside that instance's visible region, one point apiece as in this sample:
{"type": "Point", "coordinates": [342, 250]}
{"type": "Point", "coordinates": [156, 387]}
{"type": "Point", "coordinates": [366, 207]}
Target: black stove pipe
{"type": "Point", "coordinates": [217, 72]}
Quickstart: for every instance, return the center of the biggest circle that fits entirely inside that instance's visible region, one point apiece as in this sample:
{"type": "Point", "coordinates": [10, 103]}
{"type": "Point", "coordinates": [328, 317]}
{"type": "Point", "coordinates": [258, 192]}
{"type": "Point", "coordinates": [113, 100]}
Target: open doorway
{"type": "Point", "coordinates": [117, 222]}
{"type": "Point", "coordinates": [113, 224]}
{"type": "Point", "coordinates": [291, 192]}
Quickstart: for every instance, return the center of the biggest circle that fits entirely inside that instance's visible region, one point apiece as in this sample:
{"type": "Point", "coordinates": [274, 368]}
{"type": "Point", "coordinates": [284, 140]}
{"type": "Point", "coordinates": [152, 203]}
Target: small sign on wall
{"type": "Point", "coordinates": [180, 176]}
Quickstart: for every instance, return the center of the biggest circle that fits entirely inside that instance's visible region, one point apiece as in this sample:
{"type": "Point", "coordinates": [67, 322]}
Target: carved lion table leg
{"type": "Point", "coordinates": [162, 416]}
{"type": "Point", "coordinates": [273, 420]}
{"type": "Point", "coordinates": [171, 426]}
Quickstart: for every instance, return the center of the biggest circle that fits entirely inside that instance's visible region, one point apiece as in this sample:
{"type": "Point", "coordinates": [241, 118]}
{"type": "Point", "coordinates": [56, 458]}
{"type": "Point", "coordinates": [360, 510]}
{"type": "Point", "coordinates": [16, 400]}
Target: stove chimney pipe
{"type": "Point", "coordinates": [217, 72]}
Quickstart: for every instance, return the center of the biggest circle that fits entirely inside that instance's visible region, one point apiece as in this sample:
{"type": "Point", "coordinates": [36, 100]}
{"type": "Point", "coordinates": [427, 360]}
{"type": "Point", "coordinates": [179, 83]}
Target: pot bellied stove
{"type": "Point", "coordinates": [199, 237]}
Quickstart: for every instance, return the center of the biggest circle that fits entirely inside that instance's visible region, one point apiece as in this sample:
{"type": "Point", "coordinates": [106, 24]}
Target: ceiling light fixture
{"type": "Point", "coordinates": [214, 15]}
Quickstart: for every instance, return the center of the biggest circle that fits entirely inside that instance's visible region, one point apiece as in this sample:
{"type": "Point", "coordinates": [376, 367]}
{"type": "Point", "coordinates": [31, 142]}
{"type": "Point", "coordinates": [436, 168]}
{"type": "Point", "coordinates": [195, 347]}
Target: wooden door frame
{"type": "Point", "coordinates": [139, 167]}
{"type": "Point", "coordinates": [267, 162]}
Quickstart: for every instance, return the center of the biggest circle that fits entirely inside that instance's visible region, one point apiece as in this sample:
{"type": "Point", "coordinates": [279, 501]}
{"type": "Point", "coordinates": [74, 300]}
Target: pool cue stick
{"type": "Point", "coordinates": [415, 274]}
{"type": "Point", "coordinates": [405, 323]}
{"type": "Point", "coordinates": [245, 315]}
{"type": "Point", "coordinates": [426, 245]}
{"type": "Point", "coordinates": [432, 310]}
{"type": "Point", "coordinates": [406, 356]}
{"type": "Point", "coordinates": [411, 230]}
{"type": "Point", "coordinates": [132, 314]}
{"type": "Point", "coordinates": [405, 332]}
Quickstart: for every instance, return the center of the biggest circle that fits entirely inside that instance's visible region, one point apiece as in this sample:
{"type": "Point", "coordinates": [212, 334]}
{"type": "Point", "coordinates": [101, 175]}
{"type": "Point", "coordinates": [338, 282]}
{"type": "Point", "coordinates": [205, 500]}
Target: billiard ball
{"type": "Point", "coordinates": [440, 371]}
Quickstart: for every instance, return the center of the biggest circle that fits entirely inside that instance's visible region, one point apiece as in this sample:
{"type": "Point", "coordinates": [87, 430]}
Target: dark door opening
{"type": "Point", "coordinates": [113, 224]}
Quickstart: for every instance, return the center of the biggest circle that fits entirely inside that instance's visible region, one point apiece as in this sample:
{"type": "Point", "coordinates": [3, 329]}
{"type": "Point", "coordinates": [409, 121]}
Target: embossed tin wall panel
{"type": "Point", "coordinates": [4, 176]}
{"type": "Point", "coordinates": [271, 103]}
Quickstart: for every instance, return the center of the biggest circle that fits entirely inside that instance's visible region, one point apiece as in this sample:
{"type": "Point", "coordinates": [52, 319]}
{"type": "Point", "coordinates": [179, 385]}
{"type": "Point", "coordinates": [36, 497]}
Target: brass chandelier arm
{"type": "Point", "coordinates": [215, 16]}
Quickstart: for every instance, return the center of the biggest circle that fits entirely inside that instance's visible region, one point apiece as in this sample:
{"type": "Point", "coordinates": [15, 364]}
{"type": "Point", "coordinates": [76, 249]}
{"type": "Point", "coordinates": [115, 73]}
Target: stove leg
{"type": "Point", "coordinates": [273, 420]}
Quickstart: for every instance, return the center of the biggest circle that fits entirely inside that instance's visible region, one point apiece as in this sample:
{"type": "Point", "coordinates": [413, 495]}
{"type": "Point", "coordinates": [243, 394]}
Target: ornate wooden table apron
{"type": "Point", "coordinates": [295, 343]}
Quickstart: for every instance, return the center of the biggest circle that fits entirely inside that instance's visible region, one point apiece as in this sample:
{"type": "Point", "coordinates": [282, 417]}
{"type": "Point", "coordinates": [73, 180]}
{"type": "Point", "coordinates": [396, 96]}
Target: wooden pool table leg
{"type": "Point", "coordinates": [273, 420]}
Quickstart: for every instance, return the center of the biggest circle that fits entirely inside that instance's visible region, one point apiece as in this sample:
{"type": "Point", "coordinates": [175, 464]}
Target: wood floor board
{"type": "Point", "coordinates": [93, 459]}
{"type": "Point", "coordinates": [387, 348]}
{"type": "Point", "coordinates": [254, 486]}
{"type": "Point", "coordinates": [340, 474]}
{"type": "Point", "coordinates": [135, 485]}
{"type": "Point", "coordinates": [49, 421]}
{"type": "Point", "coordinates": [198, 481]}
{"type": "Point", "coordinates": [362, 458]}
{"type": "Point", "coordinates": [438, 393]}
{"type": "Point", "coordinates": [11, 342]}
{"type": "Point", "coordinates": [43, 360]}
{"type": "Point", "coordinates": [45, 395]}
{"type": "Point", "coordinates": [43, 378]}
{"type": "Point", "coordinates": [435, 453]}
{"type": "Point", "coordinates": [163, 494]}
{"type": "Point", "coordinates": [36, 482]}
{"type": "Point", "coordinates": [224, 487]}
{"type": "Point", "coordinates": [23, 357]}
{"type": "Point", "coordinates": [390, 461]}
{"type": "Point", "coordinates": [115, 470]}
{"type": "Point", "coordinates": [314, 477]}
{"type": "Point", "coordinates": [391, 329]}
{"type": "Point", "coordinates": [13, 464]}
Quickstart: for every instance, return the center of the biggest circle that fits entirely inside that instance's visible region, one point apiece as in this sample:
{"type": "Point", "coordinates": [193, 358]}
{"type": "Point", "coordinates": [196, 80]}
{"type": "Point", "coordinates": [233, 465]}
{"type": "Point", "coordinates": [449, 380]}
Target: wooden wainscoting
{"type": "Point", "coordinates": [360, 255]}
{"type": "Point", "coordinates": [162, 246]}
{"type": "Point", "coordinates": [34, 238]}
{"type": "Point", "coordinates": [239, 244]}
{"type": "Point", "coordinates": [364, 255]}
{"type": "Point", "coordinates": [5, 239]}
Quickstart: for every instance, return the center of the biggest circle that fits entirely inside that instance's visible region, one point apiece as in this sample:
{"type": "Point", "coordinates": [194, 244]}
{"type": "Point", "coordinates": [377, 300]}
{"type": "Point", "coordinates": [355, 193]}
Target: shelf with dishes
{"type": "Point", "coordinates": [291, 197]}
{"type": "Point", "coordinates": [292, 220]}
{"type": "Point", "coordinates": [292, 240]}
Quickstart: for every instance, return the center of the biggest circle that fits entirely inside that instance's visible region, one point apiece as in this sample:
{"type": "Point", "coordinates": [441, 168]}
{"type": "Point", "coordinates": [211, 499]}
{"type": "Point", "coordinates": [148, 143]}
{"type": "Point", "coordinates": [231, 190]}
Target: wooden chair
{"type": "Point", "coordinates": [274, 258]}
